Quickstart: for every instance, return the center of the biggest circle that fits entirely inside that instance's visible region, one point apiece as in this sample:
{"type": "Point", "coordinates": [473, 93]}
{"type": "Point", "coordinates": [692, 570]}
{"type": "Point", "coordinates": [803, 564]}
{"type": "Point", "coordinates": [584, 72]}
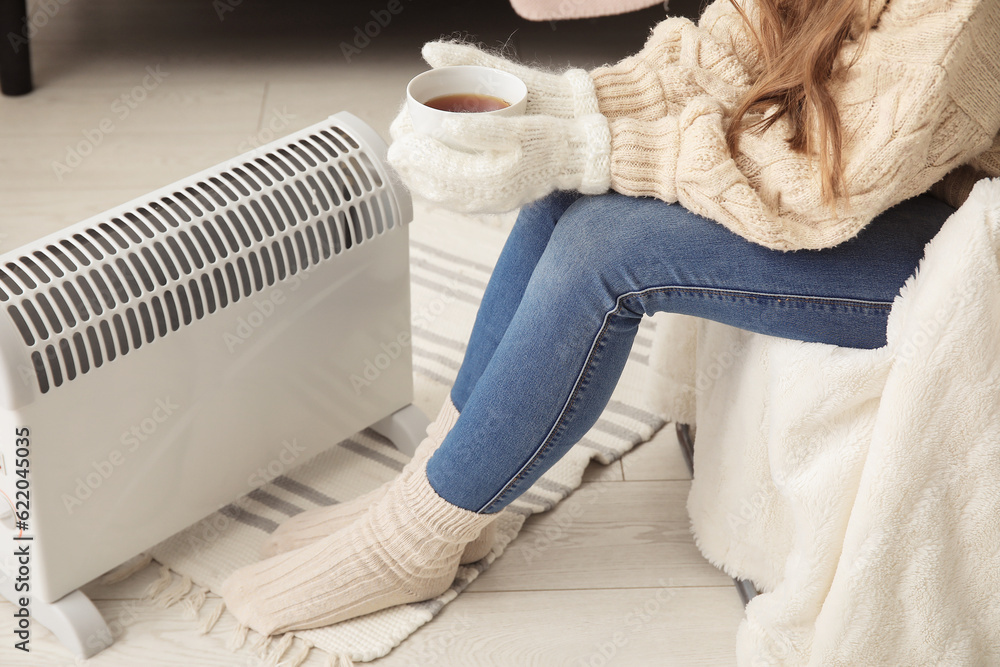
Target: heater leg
{"type": "Point", "coordinates": [73, 619]}
{"type": "Point", "coordinates": [406, 427]}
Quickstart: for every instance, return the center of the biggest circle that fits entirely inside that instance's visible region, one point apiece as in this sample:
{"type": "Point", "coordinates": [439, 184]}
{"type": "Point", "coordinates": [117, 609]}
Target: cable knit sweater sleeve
{"type": "Point", "coordinates": [681, 61]}
{"type": "Point", "coordinates": [920, 101]}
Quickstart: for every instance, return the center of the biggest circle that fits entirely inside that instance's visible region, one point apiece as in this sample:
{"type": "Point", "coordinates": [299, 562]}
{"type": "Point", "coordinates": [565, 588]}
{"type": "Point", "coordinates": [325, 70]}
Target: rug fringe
{"type": "Point", "coordinates": [126, 570]}
{"type": "Point", "coordinates": [261, 644]}
{"type": "Point", "coordinates": [209, 623]}
{"type": "Point", "coordinates": [280, 649]}
{"type": "Point", "coordinates": [270, 651]}
{"type": "Point", "coordinates": [175, 593]}
{"type": "Point", "coordinates": [161, 584]}
{"type": "Point", "coordinates": [297, 659]}
{"type": "Point", "coordinates": [194, 602]}
{"type": "Point", "coordinates": [166, 592]}
{"type": "Point", "coordinates": [238, 638]}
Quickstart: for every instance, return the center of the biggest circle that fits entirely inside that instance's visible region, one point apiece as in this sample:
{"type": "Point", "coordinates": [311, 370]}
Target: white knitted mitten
{"type": "Point", "coordinates": [566, 95]}
{"type": "Point", "coordinates": [494, 164]}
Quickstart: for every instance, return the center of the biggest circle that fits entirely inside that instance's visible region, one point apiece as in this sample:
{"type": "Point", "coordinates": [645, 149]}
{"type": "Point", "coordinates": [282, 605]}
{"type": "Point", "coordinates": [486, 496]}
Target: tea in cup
{"type": "Point", "coordinates": [437, 94]}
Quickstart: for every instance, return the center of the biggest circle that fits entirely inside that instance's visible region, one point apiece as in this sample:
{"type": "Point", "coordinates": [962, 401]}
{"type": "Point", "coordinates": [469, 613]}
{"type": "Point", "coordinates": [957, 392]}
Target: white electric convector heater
{"type": "Point", "coordinates": [163, 354]}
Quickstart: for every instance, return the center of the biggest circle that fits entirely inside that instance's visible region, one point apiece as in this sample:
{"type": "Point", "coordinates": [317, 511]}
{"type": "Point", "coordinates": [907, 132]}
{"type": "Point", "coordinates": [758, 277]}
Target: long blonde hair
{"type": "Point", "coordinates": [800, 41]}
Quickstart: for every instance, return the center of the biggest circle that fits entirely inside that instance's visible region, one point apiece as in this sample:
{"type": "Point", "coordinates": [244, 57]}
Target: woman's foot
{"type": "Point", "coordinates": [406, 548]}
{"type": "Point", "coordinates": [315, 524]}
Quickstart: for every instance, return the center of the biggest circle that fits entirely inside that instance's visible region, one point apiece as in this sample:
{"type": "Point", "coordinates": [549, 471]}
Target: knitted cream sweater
{"type": "Point", "coordinates": [922, 99]}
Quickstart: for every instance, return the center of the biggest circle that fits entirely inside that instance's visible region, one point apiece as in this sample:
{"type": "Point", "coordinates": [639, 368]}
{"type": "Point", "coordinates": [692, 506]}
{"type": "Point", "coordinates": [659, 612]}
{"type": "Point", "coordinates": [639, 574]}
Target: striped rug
{"type": "Point", "coordinates": [451, 261]}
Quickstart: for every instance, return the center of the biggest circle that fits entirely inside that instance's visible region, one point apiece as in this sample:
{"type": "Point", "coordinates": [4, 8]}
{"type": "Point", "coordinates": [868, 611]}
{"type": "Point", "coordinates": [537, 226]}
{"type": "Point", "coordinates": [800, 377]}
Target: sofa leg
{"type": "Point", "coordinates": [746, 589]}
{"type": "Point", "coordinates": [15, 61]}
{"type": "Point", "coordinates": [686, 439]}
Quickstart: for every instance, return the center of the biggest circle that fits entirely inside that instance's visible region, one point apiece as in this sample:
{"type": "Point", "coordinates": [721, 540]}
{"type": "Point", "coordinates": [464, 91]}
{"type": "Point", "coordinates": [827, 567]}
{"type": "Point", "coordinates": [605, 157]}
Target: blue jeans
{"type": "Point", "coordinates": [575, 277]}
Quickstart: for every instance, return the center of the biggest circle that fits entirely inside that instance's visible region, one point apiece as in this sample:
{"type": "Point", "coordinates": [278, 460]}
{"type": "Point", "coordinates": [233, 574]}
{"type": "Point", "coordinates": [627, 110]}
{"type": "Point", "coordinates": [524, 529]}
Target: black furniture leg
{"type": "Point", "coordinates": [746, 589]}
{"type": "Point", "coordinates": [687, 445]}
{"type": "Point", "coordinates": [15, 63]}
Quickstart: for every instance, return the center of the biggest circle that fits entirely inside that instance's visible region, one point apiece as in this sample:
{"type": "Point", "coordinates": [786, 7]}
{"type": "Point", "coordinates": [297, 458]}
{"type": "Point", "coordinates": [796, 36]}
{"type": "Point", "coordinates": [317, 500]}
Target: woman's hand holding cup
{"type": "Point", "coordinates": [501, 159]}
{"type": "Point", "coordinates": [567, 95]}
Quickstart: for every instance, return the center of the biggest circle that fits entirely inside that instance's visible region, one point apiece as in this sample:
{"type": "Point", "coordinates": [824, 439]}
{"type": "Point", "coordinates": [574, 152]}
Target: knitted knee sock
{"type": "Point", "coordinates": [307, 527]}
{"type": "Point", "coordinates": [404, 549]}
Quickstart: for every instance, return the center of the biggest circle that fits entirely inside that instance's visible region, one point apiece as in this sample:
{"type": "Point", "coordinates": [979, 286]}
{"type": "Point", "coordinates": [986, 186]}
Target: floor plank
{"type": "Point", "coordinates": [157, 101]}
{"type": "Point", "coordinates": [606, 535]}
{"type": "Point", "coordinates": [643, 626]}
{"type": "Point", "coordinates": [658, 459]}
{"type": "Point", "coordinates": [598, 472]}
{"type": "Point", "coordinates": [307, 104]}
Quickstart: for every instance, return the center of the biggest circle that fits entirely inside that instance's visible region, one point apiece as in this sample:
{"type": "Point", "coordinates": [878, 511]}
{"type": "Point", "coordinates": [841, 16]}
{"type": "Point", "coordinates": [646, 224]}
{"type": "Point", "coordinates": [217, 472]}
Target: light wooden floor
{"type": "Point", "coordinates": [617, 582]}
{"type": "Point", "coordinates": [622, 582]}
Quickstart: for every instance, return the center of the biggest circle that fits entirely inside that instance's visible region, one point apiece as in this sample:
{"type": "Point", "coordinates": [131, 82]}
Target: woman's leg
{"type": "Point", "coordinates": [402, 542]}
{"type": "Point", "coordinates": [524, 247]}
{"type": "Point", "coordinates": [610, 260]}
{"type": "Point", "coordinates": [521, 252]}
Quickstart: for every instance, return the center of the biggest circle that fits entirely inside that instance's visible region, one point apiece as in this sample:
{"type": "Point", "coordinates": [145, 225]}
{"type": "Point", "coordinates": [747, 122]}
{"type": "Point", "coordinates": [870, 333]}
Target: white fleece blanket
{"type": "Point", "coordinates": [859, 489]}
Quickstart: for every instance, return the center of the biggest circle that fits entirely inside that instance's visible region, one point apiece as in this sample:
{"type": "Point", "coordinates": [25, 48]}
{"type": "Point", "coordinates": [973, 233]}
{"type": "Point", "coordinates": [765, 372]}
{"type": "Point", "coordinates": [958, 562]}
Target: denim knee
{"type": "Point", "coordinates": [598, 235]}
{"type": "Point", "coordinates": [549, 208]}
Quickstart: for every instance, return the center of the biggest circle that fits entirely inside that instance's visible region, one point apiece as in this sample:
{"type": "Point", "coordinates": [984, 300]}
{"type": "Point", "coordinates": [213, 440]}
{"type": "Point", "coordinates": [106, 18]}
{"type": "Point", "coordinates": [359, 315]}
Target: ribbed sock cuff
{"type": "Point", "coordinates": [437, 430]}
{"type": "Point", "coordinates": [444, 520]}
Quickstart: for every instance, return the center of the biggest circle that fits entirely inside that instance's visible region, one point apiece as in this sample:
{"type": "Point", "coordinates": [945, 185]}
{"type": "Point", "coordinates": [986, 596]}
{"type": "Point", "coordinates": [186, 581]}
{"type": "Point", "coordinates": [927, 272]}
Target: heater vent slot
{"type": "Point", "coordinates": [111, 287]}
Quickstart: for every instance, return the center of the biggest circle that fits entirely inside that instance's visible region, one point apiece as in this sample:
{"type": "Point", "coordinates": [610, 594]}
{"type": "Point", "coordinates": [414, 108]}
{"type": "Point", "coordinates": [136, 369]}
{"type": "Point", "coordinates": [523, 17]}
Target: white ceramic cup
{"type": "Point", "coordinates": [457, 80]}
